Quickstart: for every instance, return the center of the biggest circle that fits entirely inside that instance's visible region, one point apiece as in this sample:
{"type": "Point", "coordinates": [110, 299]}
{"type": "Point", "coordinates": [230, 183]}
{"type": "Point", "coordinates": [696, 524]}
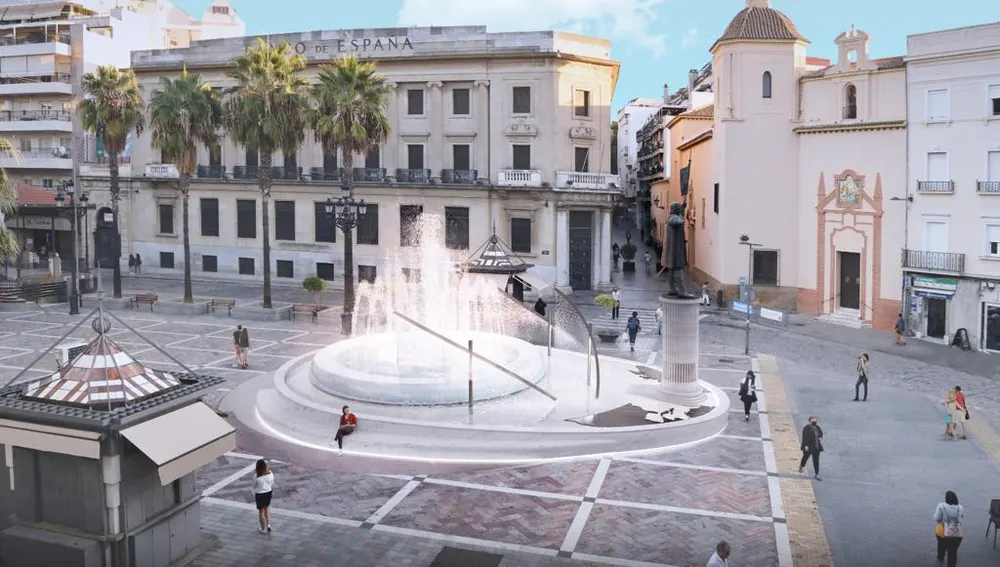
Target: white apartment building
{"type": "Point", "coordinates": [490, 132]}
{"type": "Point", "coordinates": [952, 259]}
{"type": "Point", "coordinates": [631, 118]}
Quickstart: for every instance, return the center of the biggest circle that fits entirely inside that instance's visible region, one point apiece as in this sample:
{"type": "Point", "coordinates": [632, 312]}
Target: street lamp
{"type": "Point", "coordinates": [346, 213]}
{"type": "Point", "coordinates": [745, 241]}
{"type": "Point", "coordinates": [67, 191]}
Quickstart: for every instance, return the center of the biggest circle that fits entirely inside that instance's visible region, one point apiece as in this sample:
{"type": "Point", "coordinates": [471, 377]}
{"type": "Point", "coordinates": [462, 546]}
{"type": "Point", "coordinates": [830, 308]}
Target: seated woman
{"type": "Point", "coordinates": [348, 423]}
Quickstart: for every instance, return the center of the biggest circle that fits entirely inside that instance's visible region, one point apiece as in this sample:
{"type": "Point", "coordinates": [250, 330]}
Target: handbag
{"type": "Point", "coordinates": [952, 528]}
{"type": "Point", "coordinates": [939, 529]}
{"type": "Point", "coordinates": [967, 415]}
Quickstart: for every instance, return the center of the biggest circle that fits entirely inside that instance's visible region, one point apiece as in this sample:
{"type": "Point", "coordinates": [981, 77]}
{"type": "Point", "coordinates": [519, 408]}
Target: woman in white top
{"type": "Point", "coordinates": [263, 485]}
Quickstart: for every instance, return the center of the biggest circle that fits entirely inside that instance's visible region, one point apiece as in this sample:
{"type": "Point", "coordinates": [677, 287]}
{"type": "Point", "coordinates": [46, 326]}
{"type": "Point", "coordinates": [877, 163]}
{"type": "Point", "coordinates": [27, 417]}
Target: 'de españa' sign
{"type": "Point", "coordinates": [354, 45]}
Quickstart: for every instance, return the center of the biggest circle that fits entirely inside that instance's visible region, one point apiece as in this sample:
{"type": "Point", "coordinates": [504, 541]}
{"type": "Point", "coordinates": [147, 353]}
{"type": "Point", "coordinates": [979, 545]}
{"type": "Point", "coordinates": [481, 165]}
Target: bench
{"type": "Point", "coordinates": [227, 303]}
{"type": "Point", "coordinates": [144, 299]}
{"type": "Point", "coordinates": [305, 308]}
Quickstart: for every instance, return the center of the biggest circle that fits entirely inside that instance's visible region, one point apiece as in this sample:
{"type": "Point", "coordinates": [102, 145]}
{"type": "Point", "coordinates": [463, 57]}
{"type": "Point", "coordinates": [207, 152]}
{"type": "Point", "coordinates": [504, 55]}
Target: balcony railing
{"type": "Point", "coordinates": [413, 176]}
{"type": "Point", "coordinates": [586, 181]}
{"type": "Point", "coordinates": [988, 187]}
{"type": "Point", "coordinates": [40, 78]}
{"type": "Point", "coordinates": [936, 186]}
{"type": "Point", "coordinates": [35, 39]}
{"type": "Point", "coordinates": [459, 176]}
{"type": "Point", "coordinates": [291, 173]}
{"type": "Point", "coordinates": [324, 174]}
{"type": "Point", "coordinates": [939, 261]}
{"type": "Point", "coordinates": [519, 178]}
{"type": "Point", "coordinates": [29, 115]}
{"type": "Point", "coordinates": [245, 171]}
{"type": "Point", "coordinates": [369, 174]}
{"type": "Point", "coordinates": [43, 153]}
{"type": "Point", "coordinates": [211, 171]}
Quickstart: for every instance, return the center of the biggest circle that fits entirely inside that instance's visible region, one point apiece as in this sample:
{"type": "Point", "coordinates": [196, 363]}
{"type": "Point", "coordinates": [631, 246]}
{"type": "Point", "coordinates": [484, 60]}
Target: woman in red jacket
{"type": "Point", "coordinates": [348, 423]}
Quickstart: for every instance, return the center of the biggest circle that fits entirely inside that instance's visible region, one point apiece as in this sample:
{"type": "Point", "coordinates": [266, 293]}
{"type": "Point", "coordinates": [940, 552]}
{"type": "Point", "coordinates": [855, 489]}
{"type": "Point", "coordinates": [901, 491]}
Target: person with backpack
{"type": "Point", "coordinates": [633, 327]}
{"type": "Point", "coordinates": [948, 517]}
{"type": "Point", "coordinates": [244, 340]}
{"type": "Point", "coordinates": [237, 351]}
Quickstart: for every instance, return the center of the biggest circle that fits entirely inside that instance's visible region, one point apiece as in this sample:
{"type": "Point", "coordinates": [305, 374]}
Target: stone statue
{"type": "Point", "coordinates": [676, 251]}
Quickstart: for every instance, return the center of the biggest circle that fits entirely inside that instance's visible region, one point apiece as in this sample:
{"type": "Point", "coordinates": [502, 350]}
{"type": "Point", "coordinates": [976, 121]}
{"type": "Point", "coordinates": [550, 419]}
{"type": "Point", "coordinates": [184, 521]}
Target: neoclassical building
{"type": "Point", "coordinates": [807, 158]}
{"type": "Point", "coordinates": [507, 132]}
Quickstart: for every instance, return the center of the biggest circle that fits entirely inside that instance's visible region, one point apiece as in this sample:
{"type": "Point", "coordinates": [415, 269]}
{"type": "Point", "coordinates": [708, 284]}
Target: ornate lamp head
{"type": "Point", "coordinates": [676, 208]}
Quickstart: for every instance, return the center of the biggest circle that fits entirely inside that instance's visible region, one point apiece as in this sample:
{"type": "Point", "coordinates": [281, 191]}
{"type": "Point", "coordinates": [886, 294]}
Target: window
{"type": "Point", "coordinates": [460, 102]}
{"type": "Point", "coordinates": [330, 162]}
{"type": "Point", "coordinates": [520, 235]}
{"type": "Point", "coordinates": [765, 267]}
{"type": "Point", "coordinates": [291, 165]}
{"type": "Point", "coordinates": [936, 234]}
{"type": "Point", "coordinates": [325, 229]}
{"type": "Point", "coordinates": [246, 218]}
{"type": "Point", "coordinates": [581, 103]}
{"type": "Point", "coordinates": [456, 228]}
{"type": "Point", "coordinates": [366, 273]}
{"type": "Point", "coordinates": [373, 160]}
{"type": "Point", "coordinates": [411, 275]}
{"type": "Point", "coordinates": [220, 10]}
{"type": "Point", "coordinates": [581, 159]}
{"type": "Point", "coordinates": [167, 260]}
{"type": "Point", "coordinates": [368, 225]}
{"type": "Point", "coordinates": [766, 85]}
{"type": "Point", "coordinates": [461, 157]}
{"type": "Point", "coordinates": [415, 102]}
{"type": "Point", "coordinates": [937, 105]}
{"type": "Point", "coordinates": [215, 155]}
{"type": "Point", "coordinates": [409, 224]}
{"type": "Point", "coordinates": [715, 198]}
{"type": "Point", "coordinates": [994, 109]}
{"type": "Point", "coordinates": [993, 240]}
{"type": "Point", "coordinates": [166, 218]}
{"type": "Point", "coordinates": [937, 166]}
{"type": "Point", "coordinates": [521, 156]}
{"type": "Point", "coordinates": [209, 217]}
{"type": "Point", "coordinates": [993, 165]}
{"type": "Point", "coordinates": [521, 99]}
{"type": "Point", "coordinates": [210, 263]}
{"type": "Point", "coordinates": [325, 271]}
{"type": "Point", "coordinates": [284, 220]}
{"type": "Point", "coordinates": [415, 156]}
{"type": "Point", "coordinates": [48, 183]}
{"type": "Point", "coordinates": [286, 269]}
{"type": "Point", "coordinates": [252, 158]}
{"type": "Point", "coordinates": [850, 102]}
{"type": "Point", "coordinates": [246, 266]}
{"type": "Point", "coordinates": [25, 145]}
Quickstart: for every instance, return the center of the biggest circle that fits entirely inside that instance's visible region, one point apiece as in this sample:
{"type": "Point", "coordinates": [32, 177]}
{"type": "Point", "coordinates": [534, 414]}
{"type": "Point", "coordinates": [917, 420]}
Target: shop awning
{"type": "Point", "coordinates": [183, 440]}
{"type": "Point", "coordinates": [535, 282]}
{"type": "Point", "coordinates": [500, 280]}
{"type": "Point", "coordinates": [933, 293]}
{"type": "Point", "coordinates": [59, 440]}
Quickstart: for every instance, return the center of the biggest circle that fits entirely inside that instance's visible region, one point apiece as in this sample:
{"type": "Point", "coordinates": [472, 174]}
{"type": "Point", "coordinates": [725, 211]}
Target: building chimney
{"type": "Point", "coordinates": [692, 77]}
{"type": "Point", "coordinates": [666, 93]}
{"type": "Point", "coordinates": [758, 3]}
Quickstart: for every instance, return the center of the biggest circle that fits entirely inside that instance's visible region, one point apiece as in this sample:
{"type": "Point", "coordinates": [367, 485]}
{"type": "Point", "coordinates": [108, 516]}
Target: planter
{"type": "Point", "coordinates": [628, 266]}
{"type": "Point", "coordinates": [607, 335]}
{"type": "Point", "coordinates": [176, 306]}
{"type": "Point", "coordinates": [254, 312]}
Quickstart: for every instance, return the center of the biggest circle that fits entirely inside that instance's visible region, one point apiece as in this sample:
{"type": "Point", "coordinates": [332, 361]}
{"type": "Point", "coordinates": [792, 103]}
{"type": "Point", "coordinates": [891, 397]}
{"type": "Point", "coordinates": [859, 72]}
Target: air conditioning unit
{"type": "Point", "coordinates": [67, 351]}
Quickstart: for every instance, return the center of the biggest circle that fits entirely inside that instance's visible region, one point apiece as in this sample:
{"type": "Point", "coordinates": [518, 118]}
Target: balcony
{"type": "Point", "coordinates": [211, 172]}
{"type": "Point", "coordinates": [369, 174]}
{"type": "Point", "coordinates": [291, 173]}
{"type": "Point", "coordinates": [38, 158]}
{"type": "Point", "coordinates": [324, 174]}
{"type": "Point", "coordinates": [988, 187]}
{"type": "Point", "coordinates": [35, 44]}
{"type": "Point", "coordinates": [935, 261]}
{"type": "Point", "coordinates": [936, 187]}
{"type": "Point", "coordinates": [413, 176]}
{"type": "Point", "coordinates": [36, 83]}
{"type": "Point", "coordinates": [519, 178]}
{"type": "Point", "coordinates": [35, 121]}
{"type": "Point", "coordinates": [99, 168]}
{"type": "Point", "coordinates": [583, 181]}
{"type": "Point", "coordinates": [245, 171]}
{"type": "Point", "coordinates": [459, 176]}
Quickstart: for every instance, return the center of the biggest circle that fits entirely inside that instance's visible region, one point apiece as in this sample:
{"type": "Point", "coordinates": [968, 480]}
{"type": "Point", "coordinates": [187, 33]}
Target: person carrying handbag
{"type": "Point", "coordinates": [862, 377]}
{"type": "Point", "coordinates": [948, 528]}
{"type": "Point", "coordinates": [812, 445]}
{"type": "Point", "coordinates": [961, 409]}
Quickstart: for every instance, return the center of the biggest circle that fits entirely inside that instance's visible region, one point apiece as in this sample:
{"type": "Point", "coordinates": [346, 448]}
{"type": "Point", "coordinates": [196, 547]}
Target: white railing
{"type": "Point", "coordinates": [573, 180]}
{"type": "Point", "coordinates": [519, 178]}
{"type": "Point", "coordinates": [162, 171]}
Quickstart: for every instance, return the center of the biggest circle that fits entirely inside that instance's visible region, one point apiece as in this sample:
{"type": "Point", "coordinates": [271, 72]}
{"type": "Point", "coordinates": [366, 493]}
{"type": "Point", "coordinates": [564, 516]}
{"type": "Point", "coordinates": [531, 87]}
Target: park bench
{"type": "Point", "coordinates": [313, 310]}
{"type": "Point", "coordinates": [144, 299]}
{"type": "Point", "coordinates": [222, 303]}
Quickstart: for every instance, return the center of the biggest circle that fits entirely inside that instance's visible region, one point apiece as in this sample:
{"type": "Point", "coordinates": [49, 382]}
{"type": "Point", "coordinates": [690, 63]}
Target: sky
{"type": "Point", "coordinates": [656, 41]}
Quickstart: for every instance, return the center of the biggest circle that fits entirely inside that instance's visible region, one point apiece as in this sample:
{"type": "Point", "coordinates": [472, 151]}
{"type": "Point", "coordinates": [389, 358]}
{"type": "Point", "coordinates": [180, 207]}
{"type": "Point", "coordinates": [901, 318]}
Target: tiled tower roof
{"type": "Point", "coordinates": [759, 22]}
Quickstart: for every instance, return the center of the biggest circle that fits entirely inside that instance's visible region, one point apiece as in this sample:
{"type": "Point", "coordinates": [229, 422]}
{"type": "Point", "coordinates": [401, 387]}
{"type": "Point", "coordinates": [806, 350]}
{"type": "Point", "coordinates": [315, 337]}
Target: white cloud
{"type": "Point", "coordinates": [690, 38]}
{"type": "Point", "coordinates": [628, 21]}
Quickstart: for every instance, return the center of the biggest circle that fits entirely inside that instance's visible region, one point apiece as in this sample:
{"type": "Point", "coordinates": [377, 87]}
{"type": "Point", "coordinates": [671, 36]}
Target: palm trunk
{"type": "Point", "coordinates": [347, 178]}
{"type": "Point", "coordinates": [264, 181]}
{"type": "Point", "coordinates": [185, 183]}
{"type": "Point", "coordinates": [116, 251]}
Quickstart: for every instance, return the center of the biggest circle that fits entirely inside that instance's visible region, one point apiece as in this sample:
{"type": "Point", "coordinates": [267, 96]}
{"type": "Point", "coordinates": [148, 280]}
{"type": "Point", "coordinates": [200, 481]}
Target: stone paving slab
{"type": "Point", "coordinates": [563, 478]}
{"type": "Point", "coordinates": [722, 452]}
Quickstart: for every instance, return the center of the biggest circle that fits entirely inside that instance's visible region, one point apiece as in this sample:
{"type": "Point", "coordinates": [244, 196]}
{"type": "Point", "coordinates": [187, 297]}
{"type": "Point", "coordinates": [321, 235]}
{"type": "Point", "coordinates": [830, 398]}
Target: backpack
{"type": "Point", "coordinates": [633, 324]}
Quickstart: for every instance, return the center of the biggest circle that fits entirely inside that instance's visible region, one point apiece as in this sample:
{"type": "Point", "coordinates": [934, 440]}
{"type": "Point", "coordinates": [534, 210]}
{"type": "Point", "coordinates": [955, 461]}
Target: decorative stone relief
{"type": "Point", "coordinates": [435, 84]}
{"type": "Point", "coordinates": [513, 130]}
{"type": "Point", "coordinates": [583, 133]}
{"type": "Point", "coordinates": [482, 84]}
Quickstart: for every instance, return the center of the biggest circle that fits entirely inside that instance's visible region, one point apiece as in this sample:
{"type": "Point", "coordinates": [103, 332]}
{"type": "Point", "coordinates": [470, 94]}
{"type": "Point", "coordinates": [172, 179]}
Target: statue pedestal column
{"type": "Point", "coordinates": [679, 380]}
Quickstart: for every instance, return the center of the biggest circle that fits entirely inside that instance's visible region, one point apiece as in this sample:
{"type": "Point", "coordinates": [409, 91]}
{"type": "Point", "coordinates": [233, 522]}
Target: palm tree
{"type": "Point", "coordinates": [111, 110]}
{"type": "Point", "coordinates": [183, 113]}
{"type": "Point", "coordinates": [8, 244]}
{"type": "Point", "coordinates": [266, 111]}
{"type": "Point", "coordinates": [351, 99]}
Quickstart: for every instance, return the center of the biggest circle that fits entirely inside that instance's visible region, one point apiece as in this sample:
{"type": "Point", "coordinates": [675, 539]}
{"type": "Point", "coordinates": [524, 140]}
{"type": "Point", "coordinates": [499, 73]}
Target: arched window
{"type": "Point", "coordinates": [850, 102]}
{"type": "Point", "coordinates": [766, 84]}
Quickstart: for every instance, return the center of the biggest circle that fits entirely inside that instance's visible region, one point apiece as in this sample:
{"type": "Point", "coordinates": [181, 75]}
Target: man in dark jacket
{"type": "Point", "coordinates": [540, 307]}
{"type": "Point", "coordinates": [812, 445]}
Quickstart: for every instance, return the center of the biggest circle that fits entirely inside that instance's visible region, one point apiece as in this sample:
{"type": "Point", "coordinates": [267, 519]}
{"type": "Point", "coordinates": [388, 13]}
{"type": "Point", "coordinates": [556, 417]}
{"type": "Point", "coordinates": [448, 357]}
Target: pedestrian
{"type": "Point", "coordinates": [862, 377]}
{"type": "Point", "coordinates": [348, 423]}
{"type": "Point", "coordinates": [952, 415]}
{"type": "Point", "coordinates": [244, 347]}
{"type": "Point", "coordinates": [900, 330]}
{"type": "Point", "coordinates": [706, 294]}
{"type": "Point", "coordinates": [633, 327]}
{"type": "Point", "coordinates": [237, 352]}
{"type": "Point", "coordinates": [628, 237]}
{"type": "Point", "coordinates": [659, 320]}
{"type": "Point", "coordinates": [617, 296]}
{"type": "Point", "coordinates": [648, 260]}
{"type": "Point", "coordinates": [812, 445]}
{"type": "Point", "coordinates": [748, 392]}
{"type": "Point", "coordinates": [948, 528]}
{"type": "Point", "coordinates": [962, 410]}
{"type": "Point", "coordinates": [721, 556]}
{"type": "Point", "coordinates": [263, 490]}
{"type": "Point", "coordinates": [131, 264]}
{"type": "Point", "coordinates": [615, 252]}
{"type": "Point", "coordinates": [138, 264]}
{"type": "Point", "coordinates": [540, 306]}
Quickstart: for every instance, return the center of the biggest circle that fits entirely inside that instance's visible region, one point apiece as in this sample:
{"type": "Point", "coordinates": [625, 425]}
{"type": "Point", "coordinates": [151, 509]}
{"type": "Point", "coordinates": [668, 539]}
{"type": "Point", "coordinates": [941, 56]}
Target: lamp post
{"type": "Point", "coordinates": [67, 191]}
{"type": "Point", "coordinates": [907, 292]}
{"type": "Point", "coordinates": [745, 241]}
{"type": "Point", "coordinates": [346, 212]}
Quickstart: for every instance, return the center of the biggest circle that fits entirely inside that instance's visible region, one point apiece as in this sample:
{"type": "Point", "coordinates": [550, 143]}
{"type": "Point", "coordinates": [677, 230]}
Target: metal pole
{"type": "Point", "coordinates": [74, 294]}
{"type": "Point", "coordinates": [746, 347]}
{"type": "Point", "coordinates": [470, 376]}
{"type": "Point", "coordinates": [590, 351]}
{"type": "Point", "coordinates": [550, 334]}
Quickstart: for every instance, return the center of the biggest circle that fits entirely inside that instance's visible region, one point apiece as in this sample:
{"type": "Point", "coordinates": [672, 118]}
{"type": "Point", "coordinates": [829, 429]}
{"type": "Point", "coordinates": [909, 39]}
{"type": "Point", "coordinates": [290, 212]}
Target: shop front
{"type": "Point", "coordinates": [991, 328]}
{"type": "Point", "coordinates": [930, 302]}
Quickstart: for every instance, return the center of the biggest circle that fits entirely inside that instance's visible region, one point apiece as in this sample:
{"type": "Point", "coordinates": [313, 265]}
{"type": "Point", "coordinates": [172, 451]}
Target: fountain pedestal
{"type": "Point", "coordinates": [679, 379]}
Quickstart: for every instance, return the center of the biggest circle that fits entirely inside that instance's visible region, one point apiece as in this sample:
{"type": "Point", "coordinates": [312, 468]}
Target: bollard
{"type": "Point", "coordinates": [550, 334]}
{"type": "Point", "coordinates": [470, 376]}
{"type": "Point", "coordinates": [590, 351]}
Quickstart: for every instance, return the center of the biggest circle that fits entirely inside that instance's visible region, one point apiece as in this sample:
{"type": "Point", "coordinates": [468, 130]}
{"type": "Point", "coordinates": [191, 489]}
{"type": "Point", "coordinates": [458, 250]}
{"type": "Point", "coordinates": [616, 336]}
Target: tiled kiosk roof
{"type": "Point", "coordinates": [494, 257]}
{"type": "Point", "coordinates": [759, 22]}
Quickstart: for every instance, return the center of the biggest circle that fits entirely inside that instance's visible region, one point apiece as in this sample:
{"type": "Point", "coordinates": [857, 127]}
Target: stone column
{"type": "Point", "coordinates": [435, 144]}
{"type": "Point", "coordinates": [562, 248]}
{"type": "Point", "coordinates": [605, 251]}
{"type": "Point", "coordinates": [481, 146]}
{"type": "Point", "coordinates": [390, 154]}
{"type": "Point", "coordinates": [679, 383]}
{"type": "Point", "coordinates": [111, 476]}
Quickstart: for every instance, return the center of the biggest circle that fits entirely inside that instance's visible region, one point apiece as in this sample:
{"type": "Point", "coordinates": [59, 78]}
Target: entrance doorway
{"type": "Point", "coordinates": [850, 279]}
{"type": "Point", "coordinates": [581, 249]}
{"type": "Point", "coordinates": [991, 327]}
{"type": "Point", "coordinates": [106, 252]}
{"type": "Point", "coordinates": [937, 314]}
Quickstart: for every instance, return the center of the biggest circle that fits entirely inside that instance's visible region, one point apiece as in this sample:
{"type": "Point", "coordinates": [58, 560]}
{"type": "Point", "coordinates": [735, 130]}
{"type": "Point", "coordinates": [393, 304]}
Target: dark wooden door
{"type": "Point", "coordinates": [937, 315]}
{"type": "Point", "coordinates": [850, 280]}
{"type": "Point", "coordinates": [581, 249]}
